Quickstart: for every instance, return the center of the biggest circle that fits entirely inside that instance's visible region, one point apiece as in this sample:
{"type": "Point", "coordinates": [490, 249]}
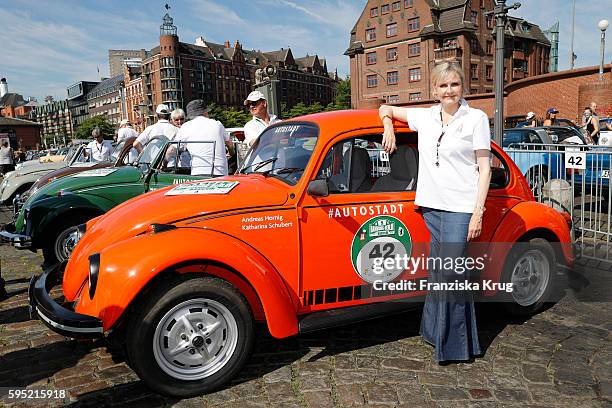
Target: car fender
{"type": "Point", "coordinates": [527, 217]}
{"type": "Point", "coordinates": [14, 183]}
{"type": "Point", "coordinates": [136, 261]}
{"type": "Point", "coordinates": [44, 213]}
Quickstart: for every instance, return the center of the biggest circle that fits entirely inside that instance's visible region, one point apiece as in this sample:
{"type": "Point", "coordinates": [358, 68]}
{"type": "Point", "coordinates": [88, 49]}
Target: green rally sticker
{"type": "Point", "coordinates": [377, 239]}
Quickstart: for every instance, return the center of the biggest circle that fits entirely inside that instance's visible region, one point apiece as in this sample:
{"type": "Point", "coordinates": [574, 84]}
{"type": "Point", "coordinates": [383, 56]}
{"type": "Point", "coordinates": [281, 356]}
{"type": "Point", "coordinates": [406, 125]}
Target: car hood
{"type": "Point", "coordinates": [38, 167]}
{"type": "Point", "coordinates": [96, 177]}
{"type": "Point", "coordinates": [63, 172]}
{"type": "Point", "coordinates": [134, 216]}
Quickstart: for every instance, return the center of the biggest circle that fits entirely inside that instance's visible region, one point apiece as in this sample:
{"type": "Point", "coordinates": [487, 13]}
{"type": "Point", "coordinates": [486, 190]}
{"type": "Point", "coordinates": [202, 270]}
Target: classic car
{"type": "Point", "coordinates": [49, 218]}
{"type": "Point", "coordinates": [119, 158]}
{"type": "Point", "coordinates": [180, 275]}
{"type": "Point", "coordinates": [26, 173]}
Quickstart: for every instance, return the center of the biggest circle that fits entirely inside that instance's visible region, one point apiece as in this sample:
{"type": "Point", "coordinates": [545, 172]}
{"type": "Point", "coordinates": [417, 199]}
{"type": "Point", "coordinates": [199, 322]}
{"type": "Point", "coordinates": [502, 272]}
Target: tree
{"type": "Point", "coordinates": [343, 95]}
{"type": "Point", "coordinates": [100, 121]}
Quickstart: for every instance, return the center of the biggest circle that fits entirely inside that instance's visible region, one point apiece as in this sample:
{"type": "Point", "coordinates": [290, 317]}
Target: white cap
{"type": "Point", "coordinates": [530, 115]}
{"type": "Point", "coordinates": [162, 108]}
{"type": "Point", "coordinates": [254, 97]}
{"type": "Point", "coordinates": [124, 122]}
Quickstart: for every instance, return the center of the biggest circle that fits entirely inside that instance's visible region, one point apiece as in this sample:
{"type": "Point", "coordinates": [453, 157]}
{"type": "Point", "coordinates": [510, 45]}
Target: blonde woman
{"type": "Point", "coordinates": [454, 175]}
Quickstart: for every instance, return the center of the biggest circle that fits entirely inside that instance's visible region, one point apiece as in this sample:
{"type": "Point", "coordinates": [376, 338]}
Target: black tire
{"type": "Point", "coordinates": [152, 330]}
{"type": "Point", "coordinates": [538, 250]}
{"type": "Point", "coordinates": [51, 252]}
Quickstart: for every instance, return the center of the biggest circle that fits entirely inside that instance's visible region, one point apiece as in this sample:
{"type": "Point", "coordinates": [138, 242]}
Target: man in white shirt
{"type": "Point", "coordinates": [201, 128]}
{"type": "Point", "coordinates": [126, 131]}
{"type": "Point", "coordinates": [258, 107]}
{"type": "Point", "coordinates": [100, 149]}
{"type": "Point", "coordinates": [162, 127]}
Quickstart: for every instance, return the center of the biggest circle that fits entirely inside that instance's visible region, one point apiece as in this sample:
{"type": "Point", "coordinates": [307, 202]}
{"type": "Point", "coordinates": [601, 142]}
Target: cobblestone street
{"type": "Point", "coordinates": [559, 358]}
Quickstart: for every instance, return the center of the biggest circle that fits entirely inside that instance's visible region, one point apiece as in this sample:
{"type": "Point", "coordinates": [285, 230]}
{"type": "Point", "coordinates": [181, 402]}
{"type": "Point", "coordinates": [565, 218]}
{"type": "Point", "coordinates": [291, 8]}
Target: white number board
{"type": "Point", "coordinates": [575, 159]}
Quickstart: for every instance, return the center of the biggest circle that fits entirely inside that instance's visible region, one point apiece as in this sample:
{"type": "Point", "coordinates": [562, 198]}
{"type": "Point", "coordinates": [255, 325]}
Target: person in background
{"type": "Point", "coordinates": [100, 149]}
{"type": "Point", "coordinates": [531, 120]}
{"type": "Point", "coordinates": [162, 127]}
{"type": "Point", "coordinates": [177, 117]}
{"type": "Point", "coordinates": [551, 117]}
{"type": "Point", "coordinates": [454, 174]}
{"type": "Point", "coordinates": [6, 158]}
{"type": "Point", "coordinates": [126, 131]}
{"type": "Point", "coordinates": [591, 124]}
{"type": "Point", "coordinates": [201, 128]}
{"type": "Point", "coordinates": [258, 108]}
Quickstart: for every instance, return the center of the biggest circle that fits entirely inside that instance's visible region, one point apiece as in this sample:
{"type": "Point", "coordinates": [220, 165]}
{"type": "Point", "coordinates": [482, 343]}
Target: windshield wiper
{"type": "Point", "coordinates": [282, 170]}
{"type": "Point", "coordinates": [259, 165]}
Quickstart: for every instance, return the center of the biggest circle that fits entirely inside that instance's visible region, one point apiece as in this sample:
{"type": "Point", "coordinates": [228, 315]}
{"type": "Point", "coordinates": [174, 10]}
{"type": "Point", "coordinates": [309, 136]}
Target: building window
{"type": "Point", "coordinates": [407, 3]}
{"type": "Point", "coordinates": [489, 47]}
{"type": "Point", "coordinates": [371, 34]}
{"type": "Point", "coordinates": [414, 24]}
{"type": "Point", "coordinates": [414, 96]}
{"type": "Point", "coordinates": [372, 81]}
{"type": "Point", "coordinates": [489, 21]}
{"type": "Point", "coordinates": [392, 78]}
{"type": "Point", "coordinates": [474, 18]}
{"type": "Point", "coordinates": [374, 12]}
{"type": "Point", "coordinates": [392, 98]}
{"type": "Point", "coordinates": [392, 54]}
{"type": "Point", "coordinates": [395, 6]}
{"type": "Point", "coordinates": [371, 58]}
{"type": "Point", "coordinates": [391, 30]}
{"type": "Point", "coordinates": [414, 74]}
{"type": "Point", "coordinates": [474, 71]}
{"type": "Point", "coordinates": [489, 71]}
{"type": "Point", "coordinates": [384, 9]}
{"type": "Point", "coordinates": [473, 91]}
{"type": "Point", "coordinates": [414, 49]}
{"type": "Point", "coordinates": [475, 45]}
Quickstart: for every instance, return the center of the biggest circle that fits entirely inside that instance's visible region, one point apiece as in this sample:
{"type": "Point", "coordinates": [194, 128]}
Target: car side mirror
{"type": "Point", "coordinates": [318, 188]}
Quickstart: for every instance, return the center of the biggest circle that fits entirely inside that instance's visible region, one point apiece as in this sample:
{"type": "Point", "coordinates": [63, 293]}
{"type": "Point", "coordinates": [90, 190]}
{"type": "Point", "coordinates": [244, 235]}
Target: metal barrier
{"type": "Point", "coordinates": [573, 179]}
{"type": "Point", "coordinates": [241, 148]}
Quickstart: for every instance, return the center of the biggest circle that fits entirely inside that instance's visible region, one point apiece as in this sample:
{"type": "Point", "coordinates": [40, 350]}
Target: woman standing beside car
{"type": "Point", "coordinates": [454, 174]}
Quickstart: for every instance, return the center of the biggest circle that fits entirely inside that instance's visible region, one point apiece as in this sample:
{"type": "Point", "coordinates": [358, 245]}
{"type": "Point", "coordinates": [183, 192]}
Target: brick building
{"type": "Point", "coordinates": [12, 105]}
{"type": "Point", "coordinates": [395, 44]}
{"type": "Point", "coordinates": [77, 101]}
{"type": "Point", "coordinates": [20, 132]}
{"type": "Point", "coordinates": [56, 120]}
{"type": "Point", "coordinates": [107, 99]}
{"type": "Point", "coordinates": [175, 73]}
{"type": "Point", "coordinates": [134, 97]}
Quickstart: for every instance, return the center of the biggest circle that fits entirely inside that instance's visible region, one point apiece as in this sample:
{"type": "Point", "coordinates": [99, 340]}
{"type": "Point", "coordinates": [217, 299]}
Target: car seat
{"type": "Point", "coordinates": [404, 171]}
{"type": "Point", "coordinates": [360, 174]}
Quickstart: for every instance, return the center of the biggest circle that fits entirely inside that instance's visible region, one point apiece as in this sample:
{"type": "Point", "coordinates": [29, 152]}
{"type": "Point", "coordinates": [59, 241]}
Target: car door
{"type": "Point", "coordinates": [366, 218]}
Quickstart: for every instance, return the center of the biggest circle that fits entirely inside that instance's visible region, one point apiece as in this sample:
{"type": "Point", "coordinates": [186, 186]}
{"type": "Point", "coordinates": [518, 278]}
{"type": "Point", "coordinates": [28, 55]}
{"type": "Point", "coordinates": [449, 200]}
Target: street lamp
{"type": "Point", "coordinates": [603, 26]}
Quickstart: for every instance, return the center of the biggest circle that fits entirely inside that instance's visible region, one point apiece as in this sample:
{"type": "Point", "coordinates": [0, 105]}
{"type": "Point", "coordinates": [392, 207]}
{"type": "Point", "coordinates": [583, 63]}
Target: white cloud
{"type": "Point", "coordinates": [211, 12]}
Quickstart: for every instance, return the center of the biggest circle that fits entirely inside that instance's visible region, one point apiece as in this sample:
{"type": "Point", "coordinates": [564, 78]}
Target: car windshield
{"type": "Point", "coordinates": [151, 150]}
{"type": "Point", "coordinates": [71, 152]}
{"type": "Point", "coordinates": [566, 135]}
{"type": "Point", "coordinates": [282, 152]}
{"type": "Point", "coordinates": [117, 150]}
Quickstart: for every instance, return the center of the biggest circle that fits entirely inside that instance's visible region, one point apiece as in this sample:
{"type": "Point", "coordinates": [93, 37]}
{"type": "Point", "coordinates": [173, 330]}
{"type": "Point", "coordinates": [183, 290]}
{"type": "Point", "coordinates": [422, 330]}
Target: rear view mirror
{"type": "Point", "coordinates": [318, 188]}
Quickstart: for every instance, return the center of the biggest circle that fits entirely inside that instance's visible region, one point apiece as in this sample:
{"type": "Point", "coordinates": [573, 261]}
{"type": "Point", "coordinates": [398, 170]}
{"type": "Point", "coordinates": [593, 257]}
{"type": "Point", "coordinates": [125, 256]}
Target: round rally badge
{"type": "Point", "coordinates": [378, 239]}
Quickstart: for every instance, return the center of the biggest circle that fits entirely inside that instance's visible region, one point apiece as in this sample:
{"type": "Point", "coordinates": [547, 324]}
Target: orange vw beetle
{"type": "Point", "coordinates": [293, 240]}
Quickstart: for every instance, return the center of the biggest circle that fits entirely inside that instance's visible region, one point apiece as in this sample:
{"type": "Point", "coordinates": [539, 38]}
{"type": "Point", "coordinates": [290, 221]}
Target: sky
{"type": "Point", "coordinates": [49, 45]}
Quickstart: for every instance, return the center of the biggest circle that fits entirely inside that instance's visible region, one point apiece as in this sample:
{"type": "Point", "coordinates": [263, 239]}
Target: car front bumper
{"type": "Point", "coordinates": [58, 318]}
{"type": "Point", "coordinates": [21, 241]}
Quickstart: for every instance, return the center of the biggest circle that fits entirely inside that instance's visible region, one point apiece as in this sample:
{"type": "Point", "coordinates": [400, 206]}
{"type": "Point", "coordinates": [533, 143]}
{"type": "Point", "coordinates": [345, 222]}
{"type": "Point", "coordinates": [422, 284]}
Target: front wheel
{"type": "Point", "coordinates": [63, 240]}
{"type": "Point", "coordinates": [191, 335]}
{"type": "Point", "coordinates": [531, 268]}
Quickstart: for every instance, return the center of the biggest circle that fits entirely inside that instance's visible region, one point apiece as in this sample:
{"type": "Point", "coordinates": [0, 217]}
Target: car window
{"type": "Point", "coordinates": [512, 136]}
{"type": "Point", "coordinates": [360, 165]}
{"type": "Point", "coordinates": [500, 175]}
{"type": "Point", "coordinates": [282, 151]}
{"type": "Point", "coordinates": [566, 135]}
{"type": "Point", "coordinates": [150, 151]}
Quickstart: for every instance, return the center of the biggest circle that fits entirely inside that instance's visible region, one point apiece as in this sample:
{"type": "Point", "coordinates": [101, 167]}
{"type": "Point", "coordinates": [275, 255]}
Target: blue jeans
{"type": "Point", "coordinates": [449, 320]}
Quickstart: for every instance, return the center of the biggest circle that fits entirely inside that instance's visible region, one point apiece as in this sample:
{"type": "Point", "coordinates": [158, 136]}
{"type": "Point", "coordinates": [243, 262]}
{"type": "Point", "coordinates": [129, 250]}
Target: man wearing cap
{"type": "Point", "coordinates": [100, 149]}
{"type": "Point", "coordinates": [126, 131]}
{"type": "Point", "coordinates": [201, 128]}
{"type": "Point", "coordinates": [258, 107]}
{"type": "Point", "coordinates": [551, 117]}
{"type": "Point", "coordinates": [162, 127]}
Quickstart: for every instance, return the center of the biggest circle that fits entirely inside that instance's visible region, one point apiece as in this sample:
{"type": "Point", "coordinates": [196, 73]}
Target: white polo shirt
{"type": "Point", "coordinates": [162, 127]}
{"type": "Point", "coordinates": [453, 186]}
{"type": "Point", "coordinates": [254, 127]}
{"type": "Point", "coordinates": [204, 129]}
{"type": "Point", "coordinates": [100, 151]}
{"type": "Point", "coordinates": [125, 133]}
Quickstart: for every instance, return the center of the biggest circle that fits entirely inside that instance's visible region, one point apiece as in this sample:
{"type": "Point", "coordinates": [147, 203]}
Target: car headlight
{"type": "Point", "coordinates": [94, 270]}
